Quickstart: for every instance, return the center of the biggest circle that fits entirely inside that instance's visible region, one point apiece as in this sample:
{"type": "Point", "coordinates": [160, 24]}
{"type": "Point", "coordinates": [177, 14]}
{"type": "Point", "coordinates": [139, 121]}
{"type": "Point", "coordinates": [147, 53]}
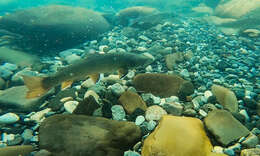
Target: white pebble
{"type": "Point", "coordinates": [202, 113]}
{"type": "Point", "coordinates": [207, 94]}
{"type": "Point", "coordinates": [70, 106]}
{"type": "Point", "coordinates": [9, 118]}
{"type": "Point", "coordinates": [139, 120]}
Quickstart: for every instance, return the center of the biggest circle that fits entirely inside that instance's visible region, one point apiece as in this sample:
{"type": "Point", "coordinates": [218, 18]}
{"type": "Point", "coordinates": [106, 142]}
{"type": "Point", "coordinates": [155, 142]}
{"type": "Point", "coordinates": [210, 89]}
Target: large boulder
{"type": "Point", "coordinates": [236, 8]}
{"type": "Point", "coordinates": [180, 136]}
{"type": "Point", "coordinates": [54, 27]}
{"type": "Point", "coordinates": [74, 135]}
{"type": "Point", "coordinates": [163, 85]}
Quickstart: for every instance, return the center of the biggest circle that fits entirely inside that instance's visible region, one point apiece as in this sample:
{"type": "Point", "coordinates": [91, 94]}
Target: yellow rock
{"type": "Point", "coordinates": [236, 8]}
{"type": "Point", "coordinates": [178, 136]}
{"type": "Point", "coordinates": [225, 97]}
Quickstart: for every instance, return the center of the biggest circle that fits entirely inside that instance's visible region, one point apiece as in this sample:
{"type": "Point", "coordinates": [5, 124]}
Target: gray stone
{"type": "Point", "coordinates": [118, 112]}
{"type": "Point", "coordinates": [131, 153]}
{"type": "Point", "coordinates": [9, 118]}
{"type": "Point", "coordinates": [14, 99]}
{"type": "Point", "coordinates": [117, 89]}
{"type": "Point", "coordinates": [139, 120]}
{"type": "Point", "coordinates": [173, 108]}
{"type": "Point", "coordinates": [190, 112]}
{"type": "Point", "coordinates": [251, 141]}
{"type": "Point", "coordinates": [27, 134]}
{"type": "Point", "coordinates": [151, 125]}
{"type": "Point", "coordinates": [5, 73]}
{"type": "Point", "coordinates": [224, 126]}
{"type": "Point", "coordinates": [9, 66]}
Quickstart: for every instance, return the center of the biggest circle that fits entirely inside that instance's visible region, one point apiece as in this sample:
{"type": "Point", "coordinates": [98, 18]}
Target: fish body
{"type": "Point", "coordinates": [91, 66]}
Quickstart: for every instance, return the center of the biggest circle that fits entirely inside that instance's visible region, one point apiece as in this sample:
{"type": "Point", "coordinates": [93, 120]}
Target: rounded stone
{"type": "Point", "coordinates": [118, 112]}
{"type": "Point", "coordinates": [70, 106]}
{"type": "Point", "coordinates": [154, 113]}
{"type": "Point", "coordinates": [9, 118]}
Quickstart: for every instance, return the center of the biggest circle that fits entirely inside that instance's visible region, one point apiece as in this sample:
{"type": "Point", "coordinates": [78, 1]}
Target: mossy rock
{"type": "Point", "coordinates": [163, 85]}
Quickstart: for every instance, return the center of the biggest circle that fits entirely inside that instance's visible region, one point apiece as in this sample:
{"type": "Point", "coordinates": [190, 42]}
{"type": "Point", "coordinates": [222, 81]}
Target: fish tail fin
{"type": "Point", "coordinates": [35, 85]}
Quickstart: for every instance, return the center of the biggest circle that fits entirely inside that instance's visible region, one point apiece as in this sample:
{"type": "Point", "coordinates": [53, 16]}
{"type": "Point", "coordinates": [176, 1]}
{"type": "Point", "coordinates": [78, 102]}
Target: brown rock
{"type": "Point", "coordinates": [74, 135]}
{"type": "Point", "coordinates": [163, 85]}
{"type": "Point", "coordinates": [130, 101]}
{"type": "Point", "coordinates": [250, 152]}
{"type": "Point", "coordinates": [16, 150]}
{"type": "Point", "coordinates": [225, 97]}
{"type": "Point", "coordinates": [2, 83]}
{"type": "Point", "coordinates": [180, 136]}
{"type": "Point", "coordinates": [224, 126]}
{"type": "Point", "coordinates": [87, 106]}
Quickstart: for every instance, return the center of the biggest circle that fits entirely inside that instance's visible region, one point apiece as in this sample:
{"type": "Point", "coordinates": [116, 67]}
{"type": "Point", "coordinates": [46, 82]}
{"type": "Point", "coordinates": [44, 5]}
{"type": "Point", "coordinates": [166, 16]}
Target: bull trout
{"type": "Point", "coordinates": [91, 66]}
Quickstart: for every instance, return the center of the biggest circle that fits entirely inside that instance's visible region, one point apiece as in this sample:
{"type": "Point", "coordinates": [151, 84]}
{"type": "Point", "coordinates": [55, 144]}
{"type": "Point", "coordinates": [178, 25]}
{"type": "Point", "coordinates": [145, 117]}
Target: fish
{"type": "Point", "coordinates": [91, 66]}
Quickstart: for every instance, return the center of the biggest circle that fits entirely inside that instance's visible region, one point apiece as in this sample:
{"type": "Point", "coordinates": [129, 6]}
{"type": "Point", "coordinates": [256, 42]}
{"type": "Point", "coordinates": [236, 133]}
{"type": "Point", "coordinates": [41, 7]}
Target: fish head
{"type": "Point", "coordinates": [140, 60]}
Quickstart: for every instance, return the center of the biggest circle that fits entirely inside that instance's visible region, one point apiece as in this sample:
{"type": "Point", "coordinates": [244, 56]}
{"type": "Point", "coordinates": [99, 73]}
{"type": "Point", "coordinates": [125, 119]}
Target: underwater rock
{"type": "Point", "coordinates": [15, 99]}
{"type": "Point", "coordinates": [16, 150]}
{"type": "Point", "coordinates": [54, 27]}
{"type": "Point", "coordinates": [163, 85]}
{"type": "Point", "coordinates": [154, 113]}
{"type": "Point", "coordinates": [250, 152]}
{"type": "Point", "coordinates": [118, 112]}
{"type": "Point", "coordinates": [171, 60]}
{"type": "Point", "coordinates": [251, 32]}
{"type": "Point", "coordinates": [169, 138]}
{"type": "Point", "coordinates": [87, 106]}
{"type": "Point", "coordinates": [131, 101]}
{"type": "Point", "coordinates": [2, 83]}
{"type": "Point", "coordinates": [173, 108]}
{"type": "Point", "coordinates": [73, 134]}
{"type": "Point", "coordinates": [225, 97]}
{"type": "Point", "coordinates": [224, 126]}
{"type": "Point", "coordinates": [236, 8]}
{"type": "Point", "coordinates": [124, 16]}
{"type": "Point", "coordinates": [9, 118]}
{"type": "Point", "coordinates": [70, 106]}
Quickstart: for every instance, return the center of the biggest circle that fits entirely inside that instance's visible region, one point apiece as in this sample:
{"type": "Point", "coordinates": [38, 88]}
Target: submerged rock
{"type": "Point", "coordinates": [55, 27]}
{"type": "Point", "coordinates": [16, 150]}
{"type": "Point", "coordinates": [171, 135]}
{"type": "Point", "coordinates": [73, 134]}
{"type": "Point", "coordinates": [225, 97]}
{"type": "Point", "coordinates": [131, 101]}
{"type": "Point", "coordinates": [250, 152]}
{"type": "Point", "coordinates": [224, 126]}
{"type": "Point", "coordinates": [15, 99]}
{"type": "Point", "coordinates": [163, 85]}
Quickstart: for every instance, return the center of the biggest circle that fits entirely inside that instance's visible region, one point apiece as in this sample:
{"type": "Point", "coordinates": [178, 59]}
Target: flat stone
{"type": "Point", "coordinates": [225, 127]}
{"type": "Point", "coordinates": [131, 101]}
{"type": "Point", "coordinates": [73, 134]}
{"type": "Point", "coordinates": [14, 99]}
{"type": "Point", "coordinates": [16, 150]}
{"type": "Point", "coordinates": [225, 97]}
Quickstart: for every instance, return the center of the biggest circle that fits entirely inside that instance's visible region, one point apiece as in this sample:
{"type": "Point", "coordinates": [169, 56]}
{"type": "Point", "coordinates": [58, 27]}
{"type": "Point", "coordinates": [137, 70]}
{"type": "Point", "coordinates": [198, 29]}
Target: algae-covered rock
{"type": "Point", "coordinates": [74, 135]}
{"type": "Point", "coordinates": [180, 136]}
{"type": "Point", "coordinates": [224, 126]}
{"type": "Point", "coordinates": [131, 101]}
{"type": "Point", "coordinates": [55, 27]}
{"type": "Point", "coordinates": [16, 150]}
{"type": "Point", "coordinates": [171, 60]}
{"type": "Point", "coordinates": [236, 8]}
{"type": "Point", "coordinates": [163, 85]}
{"type": "Point", "coordinates": [225, 97]}
{"type": "Point", "coordinates": [124, 16]}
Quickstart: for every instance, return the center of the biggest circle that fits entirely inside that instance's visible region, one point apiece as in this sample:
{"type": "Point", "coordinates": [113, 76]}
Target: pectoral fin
{"type": "Point", "coordinates": [95, 77]}
{"type": "Point", "coordinates": [66, 84]}
{"type": "Point", "coordinates": [122, 72]}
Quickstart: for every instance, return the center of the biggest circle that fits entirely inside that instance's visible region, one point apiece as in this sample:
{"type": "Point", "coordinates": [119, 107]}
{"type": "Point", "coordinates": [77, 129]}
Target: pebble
{"type": "Point", "coordinates": [139, 120]}
{"type": "Point", "coordinates": [9, 118]}
{"type": "Point", "coordinates": [185, 73]}
{"type": "Point", "coordinates": [70, 106]}
{"type": "Point", "coordinates": [40, 116]}
{"type": "Point", "coordinates": [172, 99]}
{"type": "Point", "coordinates": [117, 89]}
{"type": "Point", "coordinates": [5, 73]}
{"type": "Point", "coordinates": [154, 113]}
{"type": "Point", "coordinates": [118, 112]}
{"type": "Point", "coordinates": [27, 134]}
{"type": "Point", "coordinates": [203, 113]}
{"type": "Point", "coordinates": [218, 149]}
{"type": "Point", "coordinates": [244, 113]}
{"type": "Point", "coordinates": [131, 153]}
{"type": "Point", "coordinates": [149, 68]}
{"type": "Point", "coordinates": [10, 66]}
{"type": "Point", "coordinates": [251, 141]}
{"type": "Point", "coordinates": [207, 94]}
{"type": "Point", "coordinates": [173, 108]}
{"type": "Point", "coordinates": [151, 125]}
